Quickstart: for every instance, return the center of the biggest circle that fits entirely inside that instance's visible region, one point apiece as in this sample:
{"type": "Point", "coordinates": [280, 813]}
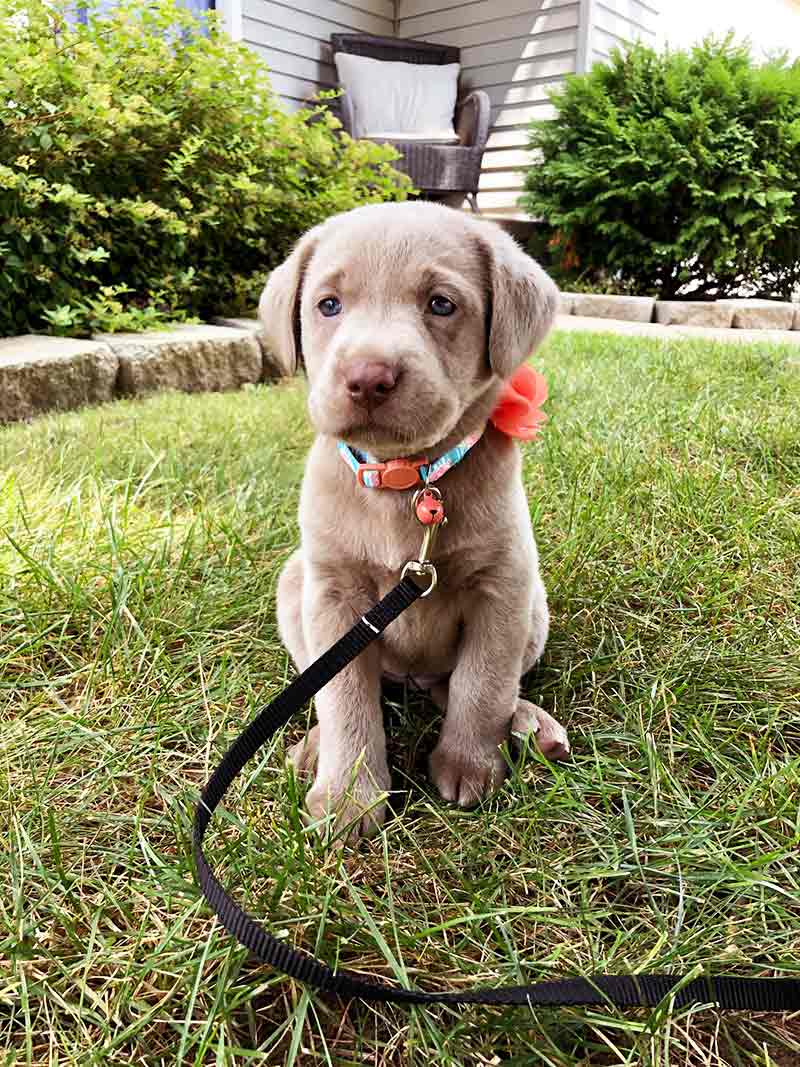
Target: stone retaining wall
{"type": "Point", "coordinates": [39, 373]}
{"type": "Point", "coordinates": [744, 314]}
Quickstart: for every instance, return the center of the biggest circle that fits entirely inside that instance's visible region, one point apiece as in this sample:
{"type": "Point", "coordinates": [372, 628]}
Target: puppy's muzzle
{"type": "Point", "coordinates": [370, 383]}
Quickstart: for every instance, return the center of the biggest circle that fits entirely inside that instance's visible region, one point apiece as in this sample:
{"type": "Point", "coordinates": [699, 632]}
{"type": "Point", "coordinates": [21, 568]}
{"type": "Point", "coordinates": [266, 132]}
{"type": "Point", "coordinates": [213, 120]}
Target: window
{"type": "Point", "coordinates": [200, 6]}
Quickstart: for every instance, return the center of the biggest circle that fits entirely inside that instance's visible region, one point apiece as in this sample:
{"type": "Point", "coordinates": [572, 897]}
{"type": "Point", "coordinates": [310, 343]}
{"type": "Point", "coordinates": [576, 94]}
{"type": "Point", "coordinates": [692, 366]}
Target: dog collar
{"type": "Point", "coordinates": [518, 413]}
{"type": "Point", "coordinates": [403, 473]}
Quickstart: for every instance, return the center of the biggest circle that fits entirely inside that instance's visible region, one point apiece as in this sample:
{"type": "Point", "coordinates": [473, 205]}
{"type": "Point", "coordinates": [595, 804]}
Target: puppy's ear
{"type": "Point", "coordinates": [523, 301]}
{"type": "Point", "coordinates": [279, 306]}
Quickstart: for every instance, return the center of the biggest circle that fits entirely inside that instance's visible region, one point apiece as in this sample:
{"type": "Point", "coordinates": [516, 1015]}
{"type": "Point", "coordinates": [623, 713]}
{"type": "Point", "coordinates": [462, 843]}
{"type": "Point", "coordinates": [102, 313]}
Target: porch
{"type": "Point", "coordinates": [516, 50]}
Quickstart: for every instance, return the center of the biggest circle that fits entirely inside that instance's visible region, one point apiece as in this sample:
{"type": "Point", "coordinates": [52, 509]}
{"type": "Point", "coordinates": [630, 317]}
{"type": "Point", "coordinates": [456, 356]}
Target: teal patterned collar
{"type": "Point", "coordinates": [403, 473]}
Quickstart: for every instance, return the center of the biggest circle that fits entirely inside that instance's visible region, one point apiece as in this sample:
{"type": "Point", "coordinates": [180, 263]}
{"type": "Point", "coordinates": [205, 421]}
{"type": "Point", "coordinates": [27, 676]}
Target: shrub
{"type": "Point", "coordinates": [679, 171]}
{"type": "Point", "coordinates": [147, 170]}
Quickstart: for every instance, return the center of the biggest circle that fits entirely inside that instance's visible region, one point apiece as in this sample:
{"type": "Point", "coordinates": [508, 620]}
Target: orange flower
{"type": "Point", "coordinates": [518, 411]}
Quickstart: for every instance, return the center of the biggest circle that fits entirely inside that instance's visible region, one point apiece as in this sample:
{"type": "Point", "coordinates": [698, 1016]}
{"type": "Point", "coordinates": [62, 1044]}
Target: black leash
{"type": "Point", "coordinates": [623, 991]}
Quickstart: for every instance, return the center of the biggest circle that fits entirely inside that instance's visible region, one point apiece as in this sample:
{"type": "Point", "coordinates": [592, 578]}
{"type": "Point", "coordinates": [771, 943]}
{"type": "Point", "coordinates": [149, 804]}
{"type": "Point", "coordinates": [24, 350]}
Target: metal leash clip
{"type": "Point", "coordinates": [428, 505]}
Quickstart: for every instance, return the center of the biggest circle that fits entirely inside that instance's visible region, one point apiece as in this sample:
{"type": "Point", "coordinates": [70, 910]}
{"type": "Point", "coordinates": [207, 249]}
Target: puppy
{"type": "Point", "coordinates": [409, 318]}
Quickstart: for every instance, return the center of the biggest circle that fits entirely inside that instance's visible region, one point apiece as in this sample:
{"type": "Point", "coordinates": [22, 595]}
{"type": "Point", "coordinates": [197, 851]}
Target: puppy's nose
{"type": "Point", "coordinates": [369, 382]}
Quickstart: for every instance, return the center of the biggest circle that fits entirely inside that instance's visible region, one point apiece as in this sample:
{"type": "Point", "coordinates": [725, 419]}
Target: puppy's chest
{"type": "Point", "coordinates": [375, 540]}
{"type": "Point", "coordinates": [426, 639]}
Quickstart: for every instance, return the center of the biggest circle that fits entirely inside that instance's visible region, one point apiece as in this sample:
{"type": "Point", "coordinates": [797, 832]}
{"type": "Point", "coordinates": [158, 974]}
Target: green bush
{"type": "Point", "coordinates": [677, 171]}
{"type": "Point", "coordinates": [148, 172]}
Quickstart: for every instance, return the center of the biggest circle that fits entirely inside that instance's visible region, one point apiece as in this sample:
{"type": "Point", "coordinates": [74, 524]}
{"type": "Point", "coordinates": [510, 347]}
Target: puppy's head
{"type": "Point", "coordinates": [408, 317]}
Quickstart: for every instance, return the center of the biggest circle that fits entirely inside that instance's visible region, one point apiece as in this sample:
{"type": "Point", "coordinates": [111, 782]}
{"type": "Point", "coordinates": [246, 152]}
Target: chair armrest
{"type": "Point", "coordinates": [345, 112]}
{"type": "Point", "coordinates": [472, 119]}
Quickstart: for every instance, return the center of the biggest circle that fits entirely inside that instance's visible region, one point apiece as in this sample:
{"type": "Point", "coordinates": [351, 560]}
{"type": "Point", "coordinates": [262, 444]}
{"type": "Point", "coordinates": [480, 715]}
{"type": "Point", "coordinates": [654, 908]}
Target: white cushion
{"type": "Point", "coordinates": [414, 98]}
{"type": "Point", "coordinates": [435, 137]}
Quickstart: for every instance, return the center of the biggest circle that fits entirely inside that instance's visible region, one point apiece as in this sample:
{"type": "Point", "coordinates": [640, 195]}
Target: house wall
{"type": "Point", "coordinates": [293, 38]}
{"type": "Point", "coordinates": [616, 22]}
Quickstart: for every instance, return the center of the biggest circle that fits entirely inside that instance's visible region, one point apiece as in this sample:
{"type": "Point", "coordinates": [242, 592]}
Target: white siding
{"type": "Point", "coordinates": [517, 51]}
{"type": "Point", "coordinates": [293, 38]}
{"type": "Point", "coordinates": [617, 22]}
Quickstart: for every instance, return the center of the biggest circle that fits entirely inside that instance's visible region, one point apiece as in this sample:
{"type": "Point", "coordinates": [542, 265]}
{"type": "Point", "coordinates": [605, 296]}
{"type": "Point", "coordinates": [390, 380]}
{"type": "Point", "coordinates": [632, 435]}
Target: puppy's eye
{"type": "Point", "coordinates": [440, 305]}
{"type": "Point", "coordinates": [330, 306]}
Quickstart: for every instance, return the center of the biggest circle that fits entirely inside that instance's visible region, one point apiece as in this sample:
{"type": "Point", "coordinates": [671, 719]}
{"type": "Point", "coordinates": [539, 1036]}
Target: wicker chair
{"type": "Point", "coordinates": [442, 172]}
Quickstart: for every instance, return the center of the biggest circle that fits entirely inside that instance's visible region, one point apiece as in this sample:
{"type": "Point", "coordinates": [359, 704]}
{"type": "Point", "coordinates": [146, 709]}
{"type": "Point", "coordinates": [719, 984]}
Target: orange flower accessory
{"type": "Point", "coordinates": [518, 411]}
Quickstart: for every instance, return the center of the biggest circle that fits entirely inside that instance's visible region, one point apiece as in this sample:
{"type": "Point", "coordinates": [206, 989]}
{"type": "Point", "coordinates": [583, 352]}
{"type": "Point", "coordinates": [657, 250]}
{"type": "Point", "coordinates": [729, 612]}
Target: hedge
{"type": "Point", "coordinates": [674, 173]}
{"type": "Point", "coordinates": [147, 171]}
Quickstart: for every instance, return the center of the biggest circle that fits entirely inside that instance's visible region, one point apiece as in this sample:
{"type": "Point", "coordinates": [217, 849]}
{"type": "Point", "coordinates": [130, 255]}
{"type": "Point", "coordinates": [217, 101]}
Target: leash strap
{"type": "Point", "coordinates": [623, 991]}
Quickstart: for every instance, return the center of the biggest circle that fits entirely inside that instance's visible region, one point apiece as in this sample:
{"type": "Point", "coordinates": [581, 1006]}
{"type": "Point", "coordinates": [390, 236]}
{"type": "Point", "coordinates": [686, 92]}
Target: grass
{"type": "Point", "coordinates": [141, 545]}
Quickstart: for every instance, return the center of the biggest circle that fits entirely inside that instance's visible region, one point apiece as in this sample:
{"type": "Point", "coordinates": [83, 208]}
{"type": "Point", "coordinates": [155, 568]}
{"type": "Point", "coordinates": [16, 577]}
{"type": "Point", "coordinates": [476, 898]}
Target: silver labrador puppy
{"type": "Point", "coordinates": [409, 317]}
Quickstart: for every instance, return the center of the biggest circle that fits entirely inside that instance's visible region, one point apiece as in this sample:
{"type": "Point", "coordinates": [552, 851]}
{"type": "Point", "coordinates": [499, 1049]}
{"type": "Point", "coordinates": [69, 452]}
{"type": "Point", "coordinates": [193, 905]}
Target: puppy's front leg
{"type": "Point", "coordinates": [352, 773]}
{"type": "Point", "coordinates": [467, 764]}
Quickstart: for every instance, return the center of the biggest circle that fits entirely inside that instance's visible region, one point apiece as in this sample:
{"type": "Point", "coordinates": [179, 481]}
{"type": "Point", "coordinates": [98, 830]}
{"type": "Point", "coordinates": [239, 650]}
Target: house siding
{"type": "Point", "coordinates": [618, 22]}
{"type": "Point", "coordinates": [294, 39]}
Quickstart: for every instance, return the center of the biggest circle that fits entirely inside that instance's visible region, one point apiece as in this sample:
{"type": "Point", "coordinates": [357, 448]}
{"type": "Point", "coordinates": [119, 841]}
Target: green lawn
{"type": "Point", "coordinates": [141, 544]}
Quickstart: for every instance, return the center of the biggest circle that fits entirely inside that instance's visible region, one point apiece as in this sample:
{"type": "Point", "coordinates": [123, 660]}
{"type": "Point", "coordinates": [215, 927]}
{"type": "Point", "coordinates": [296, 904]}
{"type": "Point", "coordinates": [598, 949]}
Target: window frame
{"type": "Point", "coordinates": [230, 12]}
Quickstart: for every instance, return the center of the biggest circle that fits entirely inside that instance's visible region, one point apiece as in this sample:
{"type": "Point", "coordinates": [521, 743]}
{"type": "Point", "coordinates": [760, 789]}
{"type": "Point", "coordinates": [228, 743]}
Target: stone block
{"type": "Point", "coordinates": [271, 367]}
{"type": "Point", "coordinates": [761, 314]}
{"type": "Point", "coordinates": [796, 319]}
{"type": "Point", "coordinates": [566, 302]}
{"type": "Point", "coordinates": [629, 308]}
{"type": "Point", "coordinates": [249, 325]}
{"type": "Point", "coordinates": [714, 313]}
{"type": "Point", "coordinates": [39, 374]}
{"type": "Point", "coordinates": [190, 359]}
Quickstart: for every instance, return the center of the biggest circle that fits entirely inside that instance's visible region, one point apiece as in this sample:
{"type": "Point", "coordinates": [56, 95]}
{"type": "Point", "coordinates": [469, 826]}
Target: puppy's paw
{"type": "Point", "coordinates": [465, 778]}
{"type": "Point", "coordinates": [549, 735]}
{"type": "Point", "coordinates": [304, 754]}
{"type": "Point", "coordinates": [356, 801]}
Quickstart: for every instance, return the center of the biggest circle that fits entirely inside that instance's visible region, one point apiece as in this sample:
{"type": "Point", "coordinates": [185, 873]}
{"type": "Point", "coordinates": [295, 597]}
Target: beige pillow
{"type": "Point", "coordinates": [404, 98]}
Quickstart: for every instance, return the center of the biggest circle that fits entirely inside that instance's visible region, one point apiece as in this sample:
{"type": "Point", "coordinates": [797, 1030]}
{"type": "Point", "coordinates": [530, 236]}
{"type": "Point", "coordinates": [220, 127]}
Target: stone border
{"type": "Point", "coordinates": [39, 373]}
{"type": "Point", "coordinates": [738, 314]}
{"type": "Point", "coordinates": [655, 331]}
